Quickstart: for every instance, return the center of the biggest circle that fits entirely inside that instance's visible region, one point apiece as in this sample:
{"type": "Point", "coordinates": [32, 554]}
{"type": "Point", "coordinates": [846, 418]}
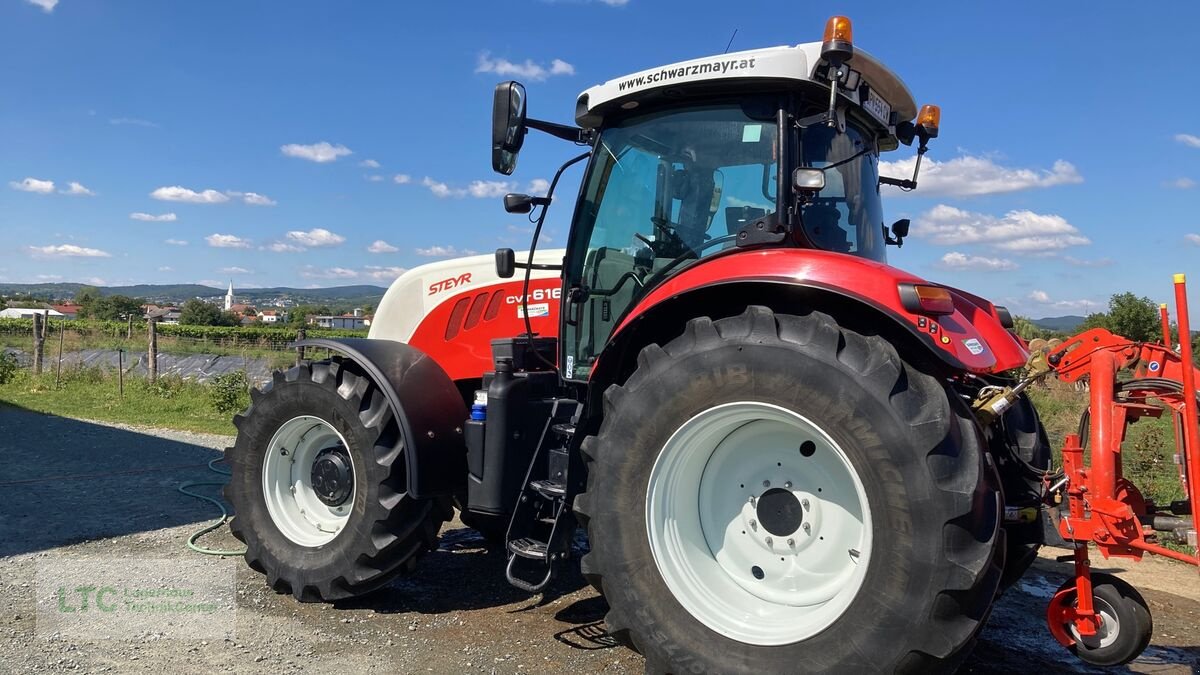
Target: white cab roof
{"type": "Point", "coordinates": [798, 63]}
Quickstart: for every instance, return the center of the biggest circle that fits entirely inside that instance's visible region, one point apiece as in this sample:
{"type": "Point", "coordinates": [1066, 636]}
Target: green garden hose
{"type": "Point", "coordinates": [191, 542]}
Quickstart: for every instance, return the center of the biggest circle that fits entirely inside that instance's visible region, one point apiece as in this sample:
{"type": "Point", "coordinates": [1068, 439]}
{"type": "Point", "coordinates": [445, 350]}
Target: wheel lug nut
{"type": "Point", "coordinates": [807, 528]}
{"type": "Point", "coordinates": [805, 504]}
{"type": "Point", "coordinates": [754, 524]}
{"type": "Point", "coordinates": [791, 542]}
{"type": "Point", "coordinates": [788, 485]}
{"type": "Point", "coordinates": [769, 542]}
{"type": "Point", "coordinates": [753, 501]}
{"type": "Point", "coordinates": [766, 483]}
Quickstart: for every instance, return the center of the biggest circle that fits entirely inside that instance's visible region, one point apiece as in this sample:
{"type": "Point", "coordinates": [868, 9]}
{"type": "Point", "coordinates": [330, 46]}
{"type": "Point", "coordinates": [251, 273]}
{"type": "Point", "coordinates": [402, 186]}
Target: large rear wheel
{"type": "Point", "coordinates": [779, 494]}
{"type": "Point", "coordinates": [318, 485]}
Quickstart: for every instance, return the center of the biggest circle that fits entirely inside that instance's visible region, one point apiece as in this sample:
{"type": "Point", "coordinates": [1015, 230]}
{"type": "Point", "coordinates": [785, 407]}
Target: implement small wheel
{"type": "Point", "coordinates": [1125, 623]}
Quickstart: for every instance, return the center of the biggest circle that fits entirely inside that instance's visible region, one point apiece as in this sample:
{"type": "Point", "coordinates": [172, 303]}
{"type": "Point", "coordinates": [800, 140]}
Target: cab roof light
{"type": "Point", "coordinates": [929, 118]}
{"type": "Point", "coordinates": [928, 300]}
{"type": "Point", "coordinates": [837, 29]}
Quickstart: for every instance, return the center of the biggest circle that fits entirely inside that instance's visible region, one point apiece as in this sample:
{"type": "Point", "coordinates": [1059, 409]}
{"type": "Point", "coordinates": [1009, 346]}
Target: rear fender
{"type": "Point", "coordinates": [863, 295]}
{"type": "Point", "coordinates": [428, 407]}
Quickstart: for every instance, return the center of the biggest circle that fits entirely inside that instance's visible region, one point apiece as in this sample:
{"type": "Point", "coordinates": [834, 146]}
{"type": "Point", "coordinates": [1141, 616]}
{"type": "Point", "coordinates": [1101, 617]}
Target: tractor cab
{"type": "Point", "coordinates": [775, 147]}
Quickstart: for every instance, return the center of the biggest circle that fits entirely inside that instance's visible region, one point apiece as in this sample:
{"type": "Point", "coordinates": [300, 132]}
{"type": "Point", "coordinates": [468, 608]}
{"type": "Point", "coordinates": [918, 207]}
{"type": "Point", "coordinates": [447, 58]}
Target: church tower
{"type": "Point", "coordinates": [229, 297]}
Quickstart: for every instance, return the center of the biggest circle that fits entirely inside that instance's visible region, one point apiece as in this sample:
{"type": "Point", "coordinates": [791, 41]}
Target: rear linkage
{"type": "Point", "coordinates": [1100, 618]}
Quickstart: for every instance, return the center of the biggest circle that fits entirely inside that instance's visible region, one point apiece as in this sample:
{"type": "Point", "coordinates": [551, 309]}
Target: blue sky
{"type": "Point", "coordinates": [282, 140]}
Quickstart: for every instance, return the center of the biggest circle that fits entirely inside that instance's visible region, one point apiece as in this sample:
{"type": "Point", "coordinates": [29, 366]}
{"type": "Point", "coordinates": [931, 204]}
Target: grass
{"type": "Point", "coordinates": [92, 393]}
{"type": "Point", "coordinates": [1147, 453]}
{"type": "Point", "coordinates": [76, 342]}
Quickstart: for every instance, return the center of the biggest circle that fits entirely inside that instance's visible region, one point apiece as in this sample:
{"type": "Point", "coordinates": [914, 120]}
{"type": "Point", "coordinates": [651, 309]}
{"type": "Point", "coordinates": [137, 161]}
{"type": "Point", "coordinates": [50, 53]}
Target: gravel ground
{"type": "Point", "coordinates": [100, 494]}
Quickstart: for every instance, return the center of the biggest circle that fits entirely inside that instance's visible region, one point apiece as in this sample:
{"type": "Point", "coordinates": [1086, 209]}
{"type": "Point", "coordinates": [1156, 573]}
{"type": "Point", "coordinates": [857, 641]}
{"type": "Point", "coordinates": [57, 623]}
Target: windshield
{"type": "Point", "coordinates": [847, 216]}
{"type": "Point", "coordinates": [663, 190]}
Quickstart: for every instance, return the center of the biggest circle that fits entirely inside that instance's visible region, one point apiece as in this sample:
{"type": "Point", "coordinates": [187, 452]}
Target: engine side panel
{"type": "Point", "coordinates": [452, 310]}
{"type": "Point", "coordinates": [971, 338]}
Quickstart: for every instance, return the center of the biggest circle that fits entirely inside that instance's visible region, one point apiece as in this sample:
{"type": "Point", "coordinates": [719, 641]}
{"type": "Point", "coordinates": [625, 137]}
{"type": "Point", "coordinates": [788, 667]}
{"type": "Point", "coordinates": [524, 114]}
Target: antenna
{"type": "Point", "coordinates": [728, 44]}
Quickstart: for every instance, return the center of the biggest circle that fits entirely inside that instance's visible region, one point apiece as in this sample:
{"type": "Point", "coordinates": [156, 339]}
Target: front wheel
{"type": "Point", "coordinates": [1125, 624]}
{"type": "Point", "coordinates": [780, 494]}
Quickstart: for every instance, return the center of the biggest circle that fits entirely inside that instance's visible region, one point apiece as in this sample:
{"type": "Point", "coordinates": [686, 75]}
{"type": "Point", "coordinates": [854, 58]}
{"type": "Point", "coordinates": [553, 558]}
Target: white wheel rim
{"type": "Point", "coordinates": [294, 506]}
{"type": "Point", "coordinates": [1106, 632]}
{"type": "Point", "coordinates": [711, 543]}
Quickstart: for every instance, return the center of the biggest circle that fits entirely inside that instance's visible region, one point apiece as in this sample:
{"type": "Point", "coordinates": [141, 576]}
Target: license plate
{"type": "Point", "coordinates": [878, 107]}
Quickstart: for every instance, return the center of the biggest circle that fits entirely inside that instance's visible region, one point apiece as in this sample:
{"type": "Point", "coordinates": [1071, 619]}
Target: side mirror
{"type": "Point", "coordinates": [506, 263]}
{"type": "Point", "coordinates": [515, 203]}
{"type": "Point", "coordinates": [808, 180]}
{"type": "Point", "coordinates": [508, 126]}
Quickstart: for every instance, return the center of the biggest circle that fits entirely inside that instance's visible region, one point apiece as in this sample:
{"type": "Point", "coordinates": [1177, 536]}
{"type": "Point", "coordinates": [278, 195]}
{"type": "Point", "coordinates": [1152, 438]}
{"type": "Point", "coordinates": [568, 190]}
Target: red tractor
{"type": "Point", "coordinates": [788, 456]}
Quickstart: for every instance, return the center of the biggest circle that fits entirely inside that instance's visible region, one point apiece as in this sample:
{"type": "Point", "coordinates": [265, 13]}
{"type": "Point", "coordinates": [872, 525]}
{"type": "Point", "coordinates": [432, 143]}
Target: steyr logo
{"type": "Point", "coordinates": [452, 282]}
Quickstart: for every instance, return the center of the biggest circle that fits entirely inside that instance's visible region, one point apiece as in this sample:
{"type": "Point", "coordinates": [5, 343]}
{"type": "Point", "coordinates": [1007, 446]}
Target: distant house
{"type": "Point", "coordinates": [351, 321]}
{"type": "Point", "coordinates": [272, 316]}
{"type": "Point", "coordinates": [163, 315]}
{"type": "Point", "coordinates": [28, 312]}
{"type": "Point", "coordinates": [69, 310]}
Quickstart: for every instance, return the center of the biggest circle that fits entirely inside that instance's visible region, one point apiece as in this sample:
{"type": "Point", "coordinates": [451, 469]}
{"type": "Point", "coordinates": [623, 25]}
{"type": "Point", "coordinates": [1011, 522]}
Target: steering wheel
{"type": "Point", "coordinates": [657, 276]}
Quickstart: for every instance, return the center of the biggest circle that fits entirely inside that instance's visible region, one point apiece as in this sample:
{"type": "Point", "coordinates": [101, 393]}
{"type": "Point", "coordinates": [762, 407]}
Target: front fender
{"type": "Point", "coordinates": [428, 408]}
{"type": "Point", "coordinates": [971, 339]}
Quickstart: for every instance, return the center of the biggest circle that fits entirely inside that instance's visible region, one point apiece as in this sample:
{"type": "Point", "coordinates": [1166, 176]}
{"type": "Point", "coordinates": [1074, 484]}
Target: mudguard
{"type": "Point", "coordinates": [971, 339]}
{"type": "Point", "coordinates": [427, 405]}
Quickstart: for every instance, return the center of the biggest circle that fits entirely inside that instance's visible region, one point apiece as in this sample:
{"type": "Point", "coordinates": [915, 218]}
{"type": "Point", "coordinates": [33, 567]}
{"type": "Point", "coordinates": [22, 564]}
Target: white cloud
{"type": "Point", "coordinates": [235, 270]}
{"type": "Point", "coordinates": [381, 246]}
{"type": "Point", "coordinates": [254, 199]}
{"type": "Point", "coordinates": [1079, 262]}
{"type": "Point", "coordinates": [538, 187]}
{"type": "Point", "coordinates": [444, 252]}
{"type": "Point", "coordinates": [971, 176]}
{"type": "Point", "coordinates": [166, 268]}
{"type": "Point", "coordinates": [176, 193]}
{"type": "Point", "coordinates": [438, 189]}
{"type": "Point", "coordinates": [1182, 183]}
{"type": "Point", "coordinates": [49, 277]}
{"type": "Point", "coordinates": [369, 164]}
{"type": "Point", "coordinates": [176, 242]}
{"type": "Point", "coordinates": [374, 178]}
{"type": "Point", "coordinates": [33, 185]}
{"type": "Point", "coordinates": [527, 70]}
{"type": "Point", "coordinates": [317, 152]}
{"type": "Point", "coordinates": [402, 179]}
{"type": "Point", "coordinates": [151, 218]}
{"type": "Point", "coordinates": [77, 190]}
{"type": "Point", "coordinates": [226, 241]}
{"type": "Point", "coordinates": [476, 188]}
{"type": "Point", "coordinates": [1017, 231]}
{"type": "Point", "coordinates": [66, 251]}
{"type": "Point", "coordinates": [383, 273]}
{"type": "Point", "coordinates": [315, 237]}
{"type": "Point", "coordinates": [96, 281]}
{"type": "Point", "coordinates": [46, 5]}
{"type": "Point", "coordinates": [311, 272]}
{"type": "Point", "coordinates": [1043, 298]}
{"type": "Point", "coordinates": [132, 121]}
{"type": "Point", "coordinates": [284, 247]}
{"type": "Point", "coordinates": [1188, 140]}
{"type": "Point", "coordinates": [1193, 238]}
{"type": "Point", "coordinates": [975, 263]}
{"type": "Point", "coordinates": [615, 3]}
{"type": "Point", "coordinates": [489, 188]}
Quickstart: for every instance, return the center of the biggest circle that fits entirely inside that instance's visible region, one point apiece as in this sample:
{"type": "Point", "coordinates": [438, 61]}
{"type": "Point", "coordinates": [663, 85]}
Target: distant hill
{"type": "Point", "coordinates": [1062, 324]}
{"type": "Point", "coordinates": [341, 296]}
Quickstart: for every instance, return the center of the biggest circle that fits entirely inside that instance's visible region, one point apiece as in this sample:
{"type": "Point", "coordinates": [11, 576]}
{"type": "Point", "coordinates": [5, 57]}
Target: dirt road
{"type": "Point", "coordinates": [101, 494]}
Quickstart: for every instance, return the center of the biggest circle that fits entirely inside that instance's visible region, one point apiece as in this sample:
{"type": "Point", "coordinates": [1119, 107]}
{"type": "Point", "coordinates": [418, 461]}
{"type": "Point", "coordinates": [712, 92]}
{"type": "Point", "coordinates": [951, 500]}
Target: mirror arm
{"type": "Point", "coordinates": [563, 131]}
{"type": "Point", "coordinates": [537, 266]}
{"type": "Point", "coordinates": [906, 183]}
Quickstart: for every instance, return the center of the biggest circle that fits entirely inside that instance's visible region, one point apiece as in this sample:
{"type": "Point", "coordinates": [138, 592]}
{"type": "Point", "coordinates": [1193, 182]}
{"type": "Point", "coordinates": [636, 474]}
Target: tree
{"type": "Point", "coordinates": [298, 316]}
{"type": "Point", "coordinates": [114, 308]}
{"type": "Point", "coordinates": [1026, 329]}
{"type": "Point", "coordinates": [200, 313]}
{"type": "Point", "coordinates": [1133, 317]}
{"type": "Point", "coordinates": [86, 297]}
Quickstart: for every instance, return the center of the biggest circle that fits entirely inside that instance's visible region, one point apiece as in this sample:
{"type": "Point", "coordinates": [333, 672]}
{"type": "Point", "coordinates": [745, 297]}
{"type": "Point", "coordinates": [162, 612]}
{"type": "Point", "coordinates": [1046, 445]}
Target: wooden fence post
{"type": "Point", "coordinates": [38, 342]}
{"type": "Point", "coordinates": [121, 373]}
{"type": "Point", "coordinates": [45, 324]}
{"type": "Point", "coordinates": [299, 350]}
{"type": "Point", "coordinates": [62, 330]}
{"type": "Point", "coordinates": [129, 329]}
{"type": "Point", "coordinates": [152, 352]}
